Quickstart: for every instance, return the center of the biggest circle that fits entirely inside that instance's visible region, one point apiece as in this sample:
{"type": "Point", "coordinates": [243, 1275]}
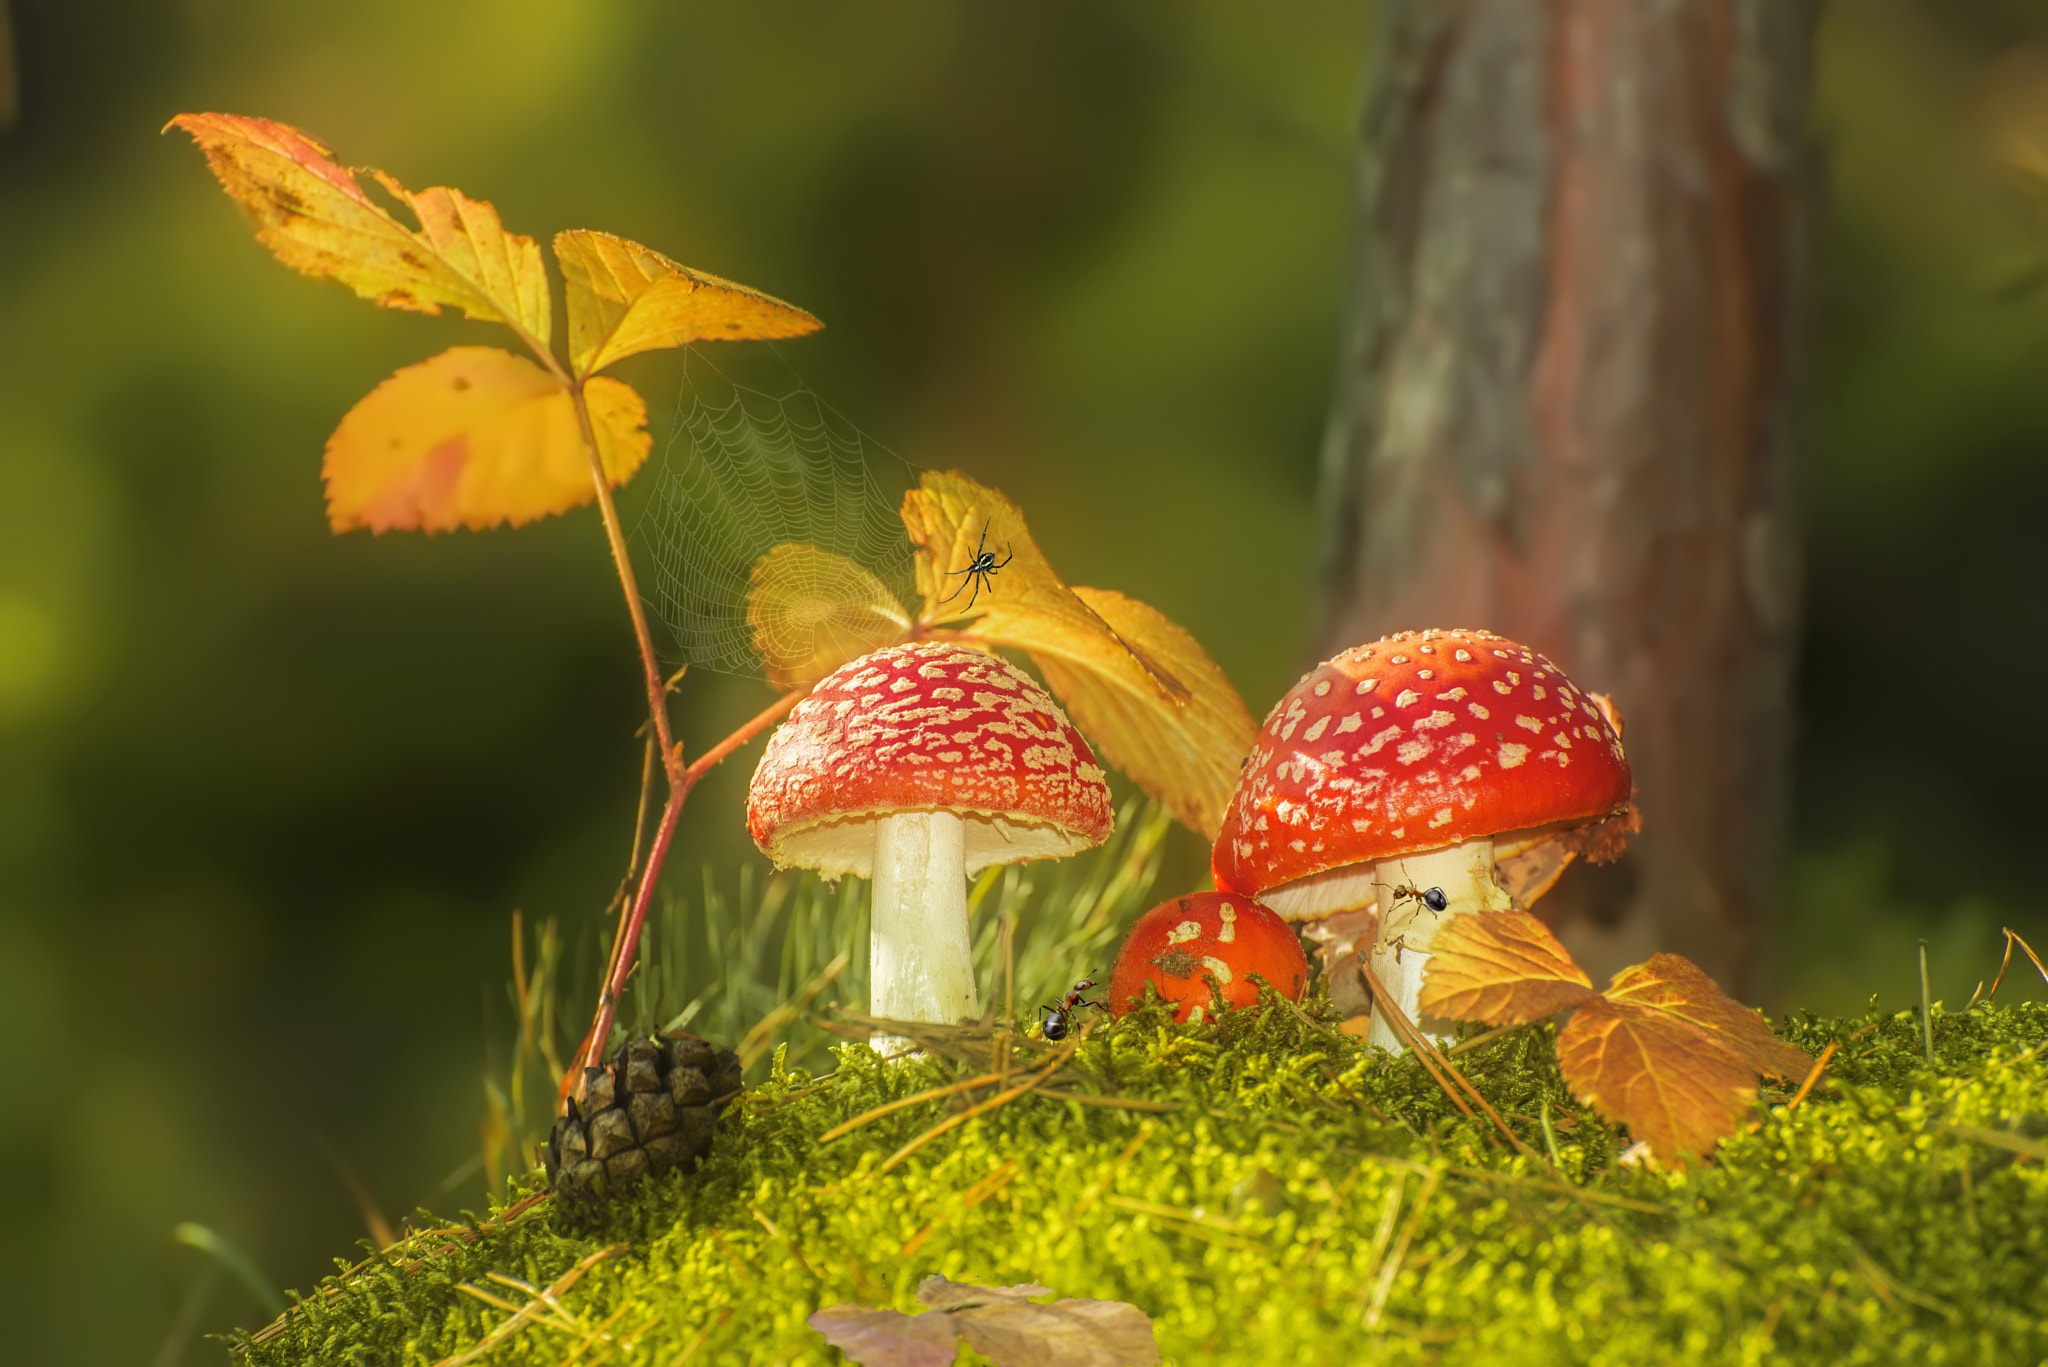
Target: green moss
{"type": "Point", "coordinates": [1298, 1183]}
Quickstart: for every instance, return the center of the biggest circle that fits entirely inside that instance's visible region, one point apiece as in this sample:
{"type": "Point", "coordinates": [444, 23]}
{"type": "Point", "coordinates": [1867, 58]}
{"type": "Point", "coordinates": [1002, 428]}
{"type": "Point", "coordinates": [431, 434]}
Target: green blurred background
{"type": "Point", "coordinates": [268, 797]}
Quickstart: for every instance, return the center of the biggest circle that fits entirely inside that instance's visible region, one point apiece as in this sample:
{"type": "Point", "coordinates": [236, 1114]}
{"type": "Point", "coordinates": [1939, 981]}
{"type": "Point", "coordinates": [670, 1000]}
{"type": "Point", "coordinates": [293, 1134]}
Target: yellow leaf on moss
{"type": "Point", "coordinates": [1502, 968]}
{"type": "Point", "coordinates": [811, 611]}
{"type": "Point", "coordinates": [316, 217]}
{"type": "Point", "coordinates": [475, 437]}
{"type": "Point", "coordinates": [624, 298]}
{"type": "Point", "coordinates": [1139, 687]}
{"type": "Point", "coordinates": [1184, 754]}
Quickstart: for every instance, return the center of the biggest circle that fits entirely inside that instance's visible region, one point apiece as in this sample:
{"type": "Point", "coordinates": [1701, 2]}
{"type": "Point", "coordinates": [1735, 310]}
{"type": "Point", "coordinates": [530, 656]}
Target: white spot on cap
{"type": "Point", "coordinates": [1425, 673]}
{"type": "Point", "coordinates": [1537, 691]}
{"type": "Point", "coordinates": [1478, 711]}
{"type": "Point", "coordinates": [1185, 931]}
{"type": "Point", "coordinates": [1502, 689]}
{"type": "Point", "coordinates": [1315, 731]}
{"type": "Point", "coordinates": [1451, 695]}
{"type": "Point", "coordinates": [1228, 915]}
{"type": "Point", "coordinates": [1462, 656]}
{"type": "Point", "coordinates": [1351, 722]}
{"type": "Point", "coordinates": [1412, 750]}
{"type": "Point", "coordinates": [1529, 724]}
{"type": "Point", "coordinates": [1511, 756]}
{"type": "Point", "coordinates": [1195, 1015]}
{"type": "Point", "coordinates": [1322, 689]}
{"type": "Point", "coordinates": [1366, 686]}
{"type": "Point", "coordinates": [1409, 697]}
{"type": "Point", "coordinates": [1442, 818]}
{"type": "Point", "coordinates": [1398, 659]}
{"type": "Point", "coordinates": [1435, 721]}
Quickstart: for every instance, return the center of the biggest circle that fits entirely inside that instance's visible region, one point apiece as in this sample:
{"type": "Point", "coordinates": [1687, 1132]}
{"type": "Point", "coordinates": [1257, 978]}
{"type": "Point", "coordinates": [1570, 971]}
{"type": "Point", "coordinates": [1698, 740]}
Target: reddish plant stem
{"type": "Point", "coordinates": [626, 942]}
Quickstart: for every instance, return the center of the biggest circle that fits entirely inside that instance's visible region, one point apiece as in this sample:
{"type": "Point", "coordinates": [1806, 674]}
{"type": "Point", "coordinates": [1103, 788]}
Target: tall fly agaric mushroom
{"type": "Point", "coordinates": [1398, 774]}
{"type": "Point", "coordinates": [917, 767]}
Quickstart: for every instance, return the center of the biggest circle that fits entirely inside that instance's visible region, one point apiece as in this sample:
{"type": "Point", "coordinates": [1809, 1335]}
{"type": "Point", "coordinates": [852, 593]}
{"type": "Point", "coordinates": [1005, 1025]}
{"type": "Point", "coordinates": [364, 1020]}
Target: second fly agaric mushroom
{"type": "Point", "coordinates": [917, 767]}
{"type": "Point", "coordinates": [1192, 949]}
{"type": "Point", "coordinates": [1389, 775]}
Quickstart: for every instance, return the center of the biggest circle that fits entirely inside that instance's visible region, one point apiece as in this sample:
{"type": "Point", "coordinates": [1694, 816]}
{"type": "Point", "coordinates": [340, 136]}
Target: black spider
{"type": "Point", "coordinates": [980, 571]}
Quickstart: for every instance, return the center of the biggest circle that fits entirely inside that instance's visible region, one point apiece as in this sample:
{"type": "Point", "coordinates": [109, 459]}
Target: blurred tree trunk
{"type": "Point", "coordinates": [1565, 409]}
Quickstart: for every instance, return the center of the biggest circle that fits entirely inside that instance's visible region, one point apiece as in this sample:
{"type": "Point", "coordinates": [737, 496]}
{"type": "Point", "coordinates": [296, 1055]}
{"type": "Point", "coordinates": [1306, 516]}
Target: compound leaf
{"type": "Point", "coordinates": [1667, 1054]}
{"type": "Point", "coordinates": [1500, 967]}
{"type": "Point", "coordinates": [811, 611]}
{"type": "Point", "coordinates": [624, 298]}
{"type": "Point", "coordinates": [315, 216]}
{"type": "Point", "coordinates": [472, 438]}
{"type": "Point", "coordinates": [1138, 685]}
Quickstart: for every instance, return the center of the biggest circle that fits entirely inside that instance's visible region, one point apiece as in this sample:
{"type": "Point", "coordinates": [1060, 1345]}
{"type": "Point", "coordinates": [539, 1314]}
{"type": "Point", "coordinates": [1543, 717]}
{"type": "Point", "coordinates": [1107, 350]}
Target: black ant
{"type": "Point", "coordinates": [1058, 1021]}
{"type": "Point", "coordinates": [980, 571]}
{"type": "Point", "coordinates": [1433, 898]}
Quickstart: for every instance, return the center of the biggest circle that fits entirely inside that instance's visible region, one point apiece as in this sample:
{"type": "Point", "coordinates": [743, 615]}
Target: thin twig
{"type": "Point", "coordinates": [891, 1107]}
{"type": "Point", "coordinates": [953, 1122]}
{"type": "Point", "coordinates": [1926, 1006]}
{"type": "Point", "coordinates": [1820, 1065]}
{"type": "Point", "coordinates": [1438, 1065]}
{"type": "Point", "coordinates": [531, 1311]}
{"type": "Point", "coordinates": [1466, 1046]}
{"type": "Point", "coordinates": [1392, 1269]}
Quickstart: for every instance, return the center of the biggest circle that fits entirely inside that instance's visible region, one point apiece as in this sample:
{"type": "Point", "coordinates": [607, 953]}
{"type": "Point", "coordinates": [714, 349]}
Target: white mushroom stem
{"type": "Point", "coordinates": [1408, 927]}
{"type": "Point", "coordinates": [920, 958]}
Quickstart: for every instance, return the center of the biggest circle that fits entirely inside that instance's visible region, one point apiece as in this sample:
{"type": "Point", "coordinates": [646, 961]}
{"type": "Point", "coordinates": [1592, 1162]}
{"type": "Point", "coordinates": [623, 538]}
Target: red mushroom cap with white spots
{"type": "Point", "coordinates": [927, 727]}
{"type": "Point", "coordinates": [1416, 742]}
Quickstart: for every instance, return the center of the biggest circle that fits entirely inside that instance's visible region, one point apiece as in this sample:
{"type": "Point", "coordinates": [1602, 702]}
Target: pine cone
{"type": "Point", "coordinates": [651, 1108]}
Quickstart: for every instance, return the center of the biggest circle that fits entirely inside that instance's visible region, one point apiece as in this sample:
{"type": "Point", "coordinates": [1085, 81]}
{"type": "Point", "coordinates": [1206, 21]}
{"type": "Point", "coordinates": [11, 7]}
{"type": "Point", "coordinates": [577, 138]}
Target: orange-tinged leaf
{"type": "Point", "coordinates": [950, 519]}
{"type": "Point", "coordinates": [1674, 1088]}
{"type": "Point", "coordinates": [811, 611]}
{"type": "Point", "coordinates": [1500, 967]}
{"type": "Point", "coordinates": [1138, 686]}
{"type": "Point", "coordinates": [1673, 983]}
{"type": "Point", "coordinates": [1186, 755]}
{"type": "Point", "coordinates": [624, 298]}
{"type": "Point", "coordinates": [317, 218]}
{"type": "Point", "coordinates": [471, 438]}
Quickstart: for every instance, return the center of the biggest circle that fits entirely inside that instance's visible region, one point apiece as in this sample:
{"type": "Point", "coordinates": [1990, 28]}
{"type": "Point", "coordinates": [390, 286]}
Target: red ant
{"type": "Point", "coordinates": [1058, 1021]}
{"type": "Point", "coordinates": [1433, 898]}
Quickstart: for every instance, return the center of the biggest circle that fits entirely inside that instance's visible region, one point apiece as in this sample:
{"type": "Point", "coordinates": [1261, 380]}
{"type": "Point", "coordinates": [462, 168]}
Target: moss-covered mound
{"type": "Point", "coordinates": [1269, 1190]}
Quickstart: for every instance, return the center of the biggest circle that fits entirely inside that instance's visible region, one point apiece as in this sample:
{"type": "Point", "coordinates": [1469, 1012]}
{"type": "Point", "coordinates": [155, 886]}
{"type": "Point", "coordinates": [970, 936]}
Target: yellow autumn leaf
{"type": "Point", "coordinates": [811, 611]}
{"type": "Point", "coordinates": [624, 298]}
{"type": "Point", "coordinates": [472, 438]}
{"type": "Point", "coordinates": [1141, 689]}
{"type": "Point", "coordinates": [316, 217]}
{"type": "Point", "coordinates": [952, 520]}
{"type": "Point", "coordinates": [1184, 754]}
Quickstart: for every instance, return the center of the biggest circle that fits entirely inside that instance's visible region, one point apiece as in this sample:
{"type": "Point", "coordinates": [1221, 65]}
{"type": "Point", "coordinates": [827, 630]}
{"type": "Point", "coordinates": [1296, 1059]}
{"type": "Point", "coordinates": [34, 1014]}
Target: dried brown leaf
{"type": "Point", "coordinates": [1500, 967]}
{"type": "Point", "coordinates": [889, 1338]}
{"type": "Point", "coordinates": [1672, 983]}
{"type": "Point", "coordinates": [1676, 1089]}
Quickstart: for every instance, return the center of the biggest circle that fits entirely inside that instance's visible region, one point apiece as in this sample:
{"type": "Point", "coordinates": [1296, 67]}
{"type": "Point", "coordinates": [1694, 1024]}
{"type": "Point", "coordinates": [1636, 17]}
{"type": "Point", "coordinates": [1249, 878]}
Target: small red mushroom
{"type": "Point", "coordinates": [1181, 945]}
{"type": "Point", "coordinates": [917, 767]}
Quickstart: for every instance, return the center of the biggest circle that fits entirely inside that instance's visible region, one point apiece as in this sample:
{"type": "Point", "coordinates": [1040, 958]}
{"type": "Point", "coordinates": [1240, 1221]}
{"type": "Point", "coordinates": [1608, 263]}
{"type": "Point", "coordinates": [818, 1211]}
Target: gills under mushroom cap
{"type": "Point", "coordinates": [929, 726]}
{"type": "Point", "coordinates": [1413, 743]}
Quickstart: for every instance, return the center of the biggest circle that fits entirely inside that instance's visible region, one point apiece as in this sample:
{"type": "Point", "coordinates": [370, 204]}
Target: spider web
{"type": "Point", "coordinates": [745, 471]}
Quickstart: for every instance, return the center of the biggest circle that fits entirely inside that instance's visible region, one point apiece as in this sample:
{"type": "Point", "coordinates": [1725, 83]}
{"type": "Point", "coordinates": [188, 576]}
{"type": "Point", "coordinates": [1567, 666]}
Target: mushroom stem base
{"type": "Point", "coordinates": [921, 962]}
{"type": "Point", "coordinates": [1408, 927]}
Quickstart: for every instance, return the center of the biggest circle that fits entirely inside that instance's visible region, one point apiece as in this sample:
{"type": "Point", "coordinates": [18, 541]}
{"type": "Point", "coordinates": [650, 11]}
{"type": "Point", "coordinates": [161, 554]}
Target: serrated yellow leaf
{"type": "Point", "coordinates": [472, 438]}
{"type": "Point", "coordinates": [316, 218]}
{"type": "Point", "coordinates": [624, 298]}
{"type": "Point", "coordinates": [1500, 967]}
{"type": "Point", "coordinates": [1138, 686]}
{"type": "Point", "coordinates": [811, 611]}
{"type": "Point", "coordinates": [951, 519]}
{"type": "Point", "coordinates": [1184, 754]}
